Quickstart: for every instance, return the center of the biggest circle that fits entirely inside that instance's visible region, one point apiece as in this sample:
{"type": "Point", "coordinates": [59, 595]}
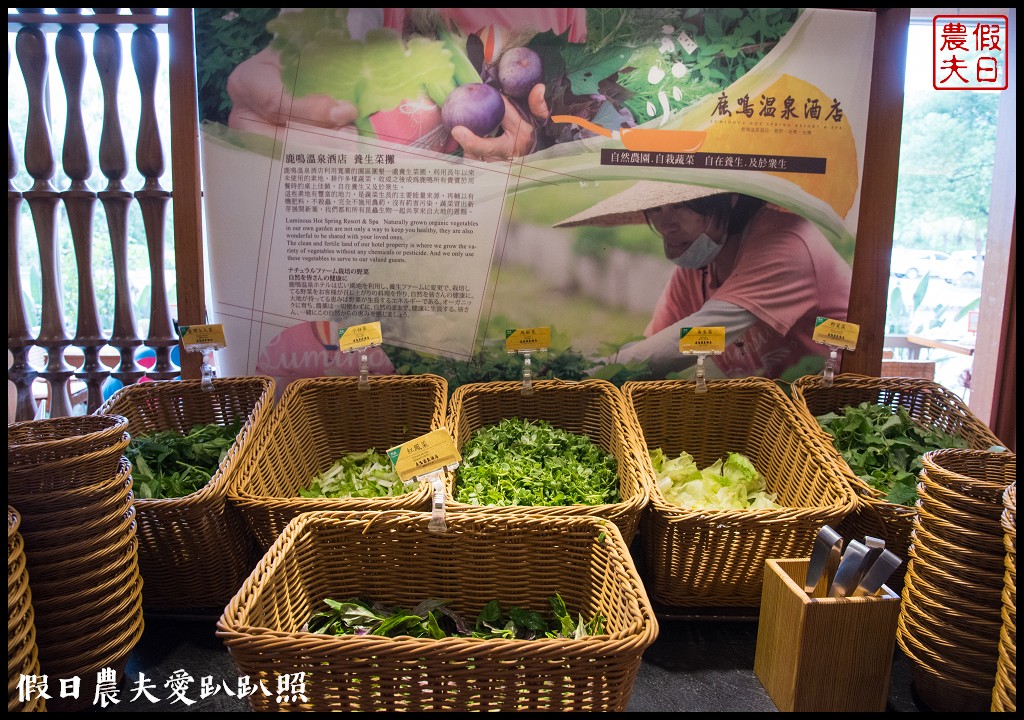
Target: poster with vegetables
{"type": "Point", "coordinates": [456, 172]}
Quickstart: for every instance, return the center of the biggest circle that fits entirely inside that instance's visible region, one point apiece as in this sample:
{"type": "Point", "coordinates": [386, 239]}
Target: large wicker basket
{"type": "Point", "coordinates": [194, 552]}
{"type": "Point", "coordinates": [80, 547]}
{"type": "Point", "coordinates": [22, 652]}
{"type": "Point", "coordinates": [594, 408]}
{"type": "Point", "coordinates": [391, 557]}
{"type": "Point", "coordinates": [927, 402]}
{"type": "Point", "coordinates": [317, 422]}
{"type": "Point", "coordinates": [1004, 694]}
{"type": "Point", "coordinates": [950, 619]}
{"type": "Point", "coordinates": [716, 558]}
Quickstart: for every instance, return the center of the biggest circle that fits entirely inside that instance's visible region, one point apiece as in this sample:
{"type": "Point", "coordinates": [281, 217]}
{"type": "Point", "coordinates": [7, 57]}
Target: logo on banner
{"type": "Point", "coordinates": [969, 52]}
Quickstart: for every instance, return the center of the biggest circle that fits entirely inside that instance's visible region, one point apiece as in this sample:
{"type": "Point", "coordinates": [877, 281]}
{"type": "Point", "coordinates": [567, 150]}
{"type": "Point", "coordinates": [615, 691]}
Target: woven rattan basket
{"type": "Point", "coordinates": [86, 588]}
{"type": "Point", "coordinates": [711, 558]}
{"type": "Point", "coordinates": [927, 402]}
{"type": "Point", "coordinates": [22, 652]}
{"type": "Point", "coordinates": [194, 552]}
{"type": "Point", "coordinates": [594, 408]}
{"type": "Point", "coordinates": [950, 621]}
{"type": "Point", "coordinates": [1004, 694]}
{"type": "Point", "coordinates": [390, 556]}
{"type": "Point", "coordinates": [317, 422]}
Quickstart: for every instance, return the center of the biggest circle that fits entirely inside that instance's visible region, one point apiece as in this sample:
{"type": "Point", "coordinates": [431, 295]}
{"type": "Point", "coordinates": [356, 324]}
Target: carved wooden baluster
{"type": "Point", "coordinates": [42, 201]}
{"type": "Point", "coordinates": [80, 202]}
{"type": "Point", "coordinates": [116, 200]}
{"type": "Point", "coordinates": [153, 203]}
{"type": "Point", "coordinates": [19, 339]}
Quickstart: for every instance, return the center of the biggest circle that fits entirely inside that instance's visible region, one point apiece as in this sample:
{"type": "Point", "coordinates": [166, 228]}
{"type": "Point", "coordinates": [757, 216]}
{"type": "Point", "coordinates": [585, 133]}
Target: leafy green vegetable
{"type": "Point", "coordinates": [732, 484]}
{"type": "Point", "coordinates": [524, 462]}
{"type": "Point", "coordinates": [358, 475]}
{"type": "Point", "coordinates": [883, 446]}
{"type": "Point", "coordinates": [167, 464]}
{"type": "Point", "coordinates": [318, 56]}
{"type": "Point", "coordinates": [432, 618]}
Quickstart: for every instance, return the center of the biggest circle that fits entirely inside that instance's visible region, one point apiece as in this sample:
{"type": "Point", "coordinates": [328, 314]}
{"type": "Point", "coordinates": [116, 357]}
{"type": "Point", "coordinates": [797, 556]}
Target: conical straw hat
{"type": "Point", "coordinates": [627, 207]}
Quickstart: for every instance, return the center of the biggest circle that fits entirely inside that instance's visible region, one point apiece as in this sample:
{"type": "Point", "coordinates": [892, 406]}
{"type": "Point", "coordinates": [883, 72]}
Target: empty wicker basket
{"type": "Point", "coordinates": [1004, 694]}
{"type": "Point", "coordinates": [950, 620]}
{"type": "Point", "coordinates": [391, 557]}
{"type": "Point", "coordinates": [594, 408]}
{"type": "Point", "coordinates": [317, 422]}
{"type": "Point", "coordinates": [194, 552]}
{"type": "Point", "coordinates": [928, 403]}
{"type": "Point", "coordinates": [22, 652]}
{"type": "Point", "coordinates": [712, 558]}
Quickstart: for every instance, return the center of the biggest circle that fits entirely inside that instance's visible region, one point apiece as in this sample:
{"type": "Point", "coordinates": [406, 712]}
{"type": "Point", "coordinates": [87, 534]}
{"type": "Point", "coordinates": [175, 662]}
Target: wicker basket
{"type": "Point", "coordinates": [1004, 694]}
{"type": "Point", "coordinates": [928, 403]}
{"type": "Point", "coordinates": [716, 558]}
{"type": "Point", "coordinates": [22, 652]}
{"type": "Point", "coordinates": [390, 556]}
{"type": "Point", "coordinates": [950, 621]}
{"type": "Point", "coordinates": [317, 422]}
{"type": "Point", "coordinates": [194, 552]}
{"type": "Point", "coordinates": [64, 454]}
{"type": "Point", "coordinates": [594, 408]}
{"type": "Point", "coordinates": [86, 588]}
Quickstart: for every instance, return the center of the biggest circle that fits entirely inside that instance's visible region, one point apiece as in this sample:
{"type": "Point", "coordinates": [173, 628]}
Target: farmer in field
{"type": "Point", "coordinates": [762, 272]}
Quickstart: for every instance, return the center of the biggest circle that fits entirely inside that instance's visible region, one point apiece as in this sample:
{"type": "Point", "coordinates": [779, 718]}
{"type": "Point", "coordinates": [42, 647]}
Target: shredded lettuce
{"type": "Point", "coordinates": [732, 483]}
{"type": "Point", "coordinates": [358, 475]}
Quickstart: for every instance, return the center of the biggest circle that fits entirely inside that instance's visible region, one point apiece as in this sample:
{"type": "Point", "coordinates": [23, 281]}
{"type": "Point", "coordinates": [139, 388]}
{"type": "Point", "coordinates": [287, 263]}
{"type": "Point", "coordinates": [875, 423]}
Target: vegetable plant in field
{"type": "Point", "coordinates": [168, 464]}
{"type": "Point", "coordinates": [883, 446]}
{"type": "Point", "coordinates": [524, 462]}
{"type": "Point", "coordinates": [433, 618]}
{"type": "Point", "coordinates": [732, 483]}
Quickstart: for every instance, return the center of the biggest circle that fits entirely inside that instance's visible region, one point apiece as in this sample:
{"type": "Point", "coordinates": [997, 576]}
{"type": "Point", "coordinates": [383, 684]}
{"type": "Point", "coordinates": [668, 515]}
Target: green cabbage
{"type": "Point", "coordinates": [730, 484]}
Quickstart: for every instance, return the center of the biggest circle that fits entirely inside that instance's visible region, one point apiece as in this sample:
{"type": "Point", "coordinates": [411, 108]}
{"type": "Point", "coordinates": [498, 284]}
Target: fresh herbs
{"type": "Point", "coordinates": [434, 618]}
{"type": "Point", "coordinates": [167, 464]}
{"type": "Point", "coordinates": [523, 462]}
{"type": "Point", "coordinates": [732, 484]}
{"type": "Point", "coordinates": [883, 446]}
{"type": "Point", "coordinates": [358, 475]}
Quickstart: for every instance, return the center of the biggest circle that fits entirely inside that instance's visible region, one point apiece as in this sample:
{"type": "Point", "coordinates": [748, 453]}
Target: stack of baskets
{"type": "Point", "coordinates": [1004, 694]}
{"type": "Point", "coordinates": [950, 619]}
{"type": "Point", "coordinates": [22, 653]}
{"type": "Point", "coordinates": [390, 556]}
{"type": "Point", "coordinates": [594, 408]}
{"type": "Point", "coordinates": [926, 402]}
{"type": "Point", "coordinates": [193, 552]}
{"type": "Point", "coordinates": [317, 422]}
{"type": "Point", "coordinates": [72, 486]}
{"type": "Point", "coordinates": [715, 558]}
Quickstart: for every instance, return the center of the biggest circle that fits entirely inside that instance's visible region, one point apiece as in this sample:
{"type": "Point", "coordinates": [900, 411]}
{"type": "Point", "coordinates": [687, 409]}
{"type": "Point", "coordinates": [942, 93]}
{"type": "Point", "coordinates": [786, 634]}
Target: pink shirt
{"type": "Point", "coordinates": [786, 274]}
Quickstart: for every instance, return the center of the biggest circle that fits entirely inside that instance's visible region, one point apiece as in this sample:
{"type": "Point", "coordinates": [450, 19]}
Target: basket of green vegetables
{"type": "Point", "coordinates": [740, 478]}
{"type": "Point", "coordinates": [325, 448]}
{"type": "Point", "coordinates": [186, 441]}
{"type": "Point", "coordinates": [879, 428]}
{"type": "Point", "coordinates": [567, 448]}
{"type": "Point", "coordinates": [498, 613]}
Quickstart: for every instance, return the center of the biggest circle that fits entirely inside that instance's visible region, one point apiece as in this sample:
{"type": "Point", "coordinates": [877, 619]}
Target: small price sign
{"type": "Point", "coordinates": [527, 339]}
{"type": "Point", "coordinates": [709, 340]}
{"type": "Point", "coordinates": [836, 333]}
{"type": "Point", "coordinates": [359, 336]}
{"type": "Point", "coordinates": [202, 337]}
{"type": "Point", "coordinates": [425, 454]}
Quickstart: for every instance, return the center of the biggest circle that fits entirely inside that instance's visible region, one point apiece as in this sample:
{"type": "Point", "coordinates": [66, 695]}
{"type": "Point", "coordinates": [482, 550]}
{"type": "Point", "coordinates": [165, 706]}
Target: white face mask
{"type": "Point", "coordinates": [700, 253]}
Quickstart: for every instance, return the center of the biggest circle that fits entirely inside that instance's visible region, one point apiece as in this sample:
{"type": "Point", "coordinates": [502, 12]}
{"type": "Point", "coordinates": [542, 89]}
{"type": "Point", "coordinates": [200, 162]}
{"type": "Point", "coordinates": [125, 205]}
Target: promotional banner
{"type": "Point", "coordinates": [615, 174]}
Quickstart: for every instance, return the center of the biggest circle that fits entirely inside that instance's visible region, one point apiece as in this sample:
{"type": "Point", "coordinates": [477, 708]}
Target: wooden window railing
{"type": "Point", "coordinates": [82, 339]}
